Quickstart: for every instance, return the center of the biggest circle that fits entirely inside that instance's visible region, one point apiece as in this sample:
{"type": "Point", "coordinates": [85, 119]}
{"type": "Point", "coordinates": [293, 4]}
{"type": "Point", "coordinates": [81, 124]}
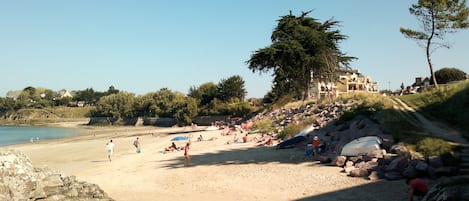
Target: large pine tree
{"type": "Point", "coordinates": [301, 47]}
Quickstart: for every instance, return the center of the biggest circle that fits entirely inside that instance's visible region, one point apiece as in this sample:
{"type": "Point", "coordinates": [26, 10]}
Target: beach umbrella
{"type": "Point", "coordinates": [179, 138]}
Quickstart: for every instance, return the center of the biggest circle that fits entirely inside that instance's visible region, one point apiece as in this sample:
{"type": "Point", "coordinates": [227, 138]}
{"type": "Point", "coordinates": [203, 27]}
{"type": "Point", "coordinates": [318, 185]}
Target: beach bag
{"type": "Point", "coordinates": [139, 150]}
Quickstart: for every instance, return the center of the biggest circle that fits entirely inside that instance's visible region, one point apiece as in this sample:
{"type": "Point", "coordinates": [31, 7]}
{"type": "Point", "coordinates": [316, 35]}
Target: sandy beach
{"type": "Point", "coordinates": [218, 171]}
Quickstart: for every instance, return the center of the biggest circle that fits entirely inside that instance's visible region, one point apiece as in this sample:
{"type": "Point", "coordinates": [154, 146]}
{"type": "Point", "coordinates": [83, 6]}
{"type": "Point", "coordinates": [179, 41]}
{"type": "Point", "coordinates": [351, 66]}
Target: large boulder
{"type": "Point", "coordinates": [19, 181]}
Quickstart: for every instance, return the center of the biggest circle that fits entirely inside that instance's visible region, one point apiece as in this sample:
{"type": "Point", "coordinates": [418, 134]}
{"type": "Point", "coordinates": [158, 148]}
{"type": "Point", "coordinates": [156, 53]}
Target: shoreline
{"type": "Point", "coordinates": [237, 171]}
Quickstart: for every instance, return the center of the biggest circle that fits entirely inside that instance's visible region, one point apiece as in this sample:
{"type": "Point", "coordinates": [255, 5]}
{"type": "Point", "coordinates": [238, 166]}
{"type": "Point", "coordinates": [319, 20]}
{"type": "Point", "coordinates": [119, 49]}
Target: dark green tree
{"type": "Point", "coordinates": [88, 95]}
{"type": "Point", "coordinates": [6, 105]}
{"type": "Point", "coordinates": [446, 75]}
{"type": "Point", "coordinates": [64, 101]}
{"type": "Point", "coordinates": [145, 105]}
{"type": "Point", "coordinates": [111, 90]}
{"type": "Point", "coordinates": [166, 103]}
{"type": "Point", "coordinates": [231, 88]}
{"type": "Point", "coordinates": [437, 18]}
{"type": "Point", "coordinates": [205, 93]}
{"type": "Point", "coordinates": [29, 94]}
{"type": "Point", "coordinates": [184, 109]}
{"type": "Point", "coordinates": [117, 106]}
{"type": "Point", "coordinates": [302, 48]}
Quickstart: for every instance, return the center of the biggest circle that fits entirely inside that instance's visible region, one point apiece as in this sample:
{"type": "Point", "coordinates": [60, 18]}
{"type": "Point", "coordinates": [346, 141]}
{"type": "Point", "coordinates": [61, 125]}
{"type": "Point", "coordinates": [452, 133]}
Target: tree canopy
{"type": "Point", "coordinates": [224, 98]}
{"type": "Point", "coordinates": [446, 75]}
{"type": "Point", "coordinates": [302, 49]}
{"type": "Point", "coordinates": [232, 87]}
{"type": "Point", "coordinates": [437, 18]}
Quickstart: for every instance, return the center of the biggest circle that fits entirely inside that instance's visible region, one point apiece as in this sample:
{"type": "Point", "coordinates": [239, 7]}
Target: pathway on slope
{"type": "Point", "coordinates": [440, 130]}
{"type": "Point", "coordinates": [435, 128]}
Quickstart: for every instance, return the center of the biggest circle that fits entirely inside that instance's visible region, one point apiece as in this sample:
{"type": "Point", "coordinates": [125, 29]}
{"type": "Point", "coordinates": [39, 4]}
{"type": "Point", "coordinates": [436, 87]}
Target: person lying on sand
{"type": "Point", "coordinates": [269, 142]}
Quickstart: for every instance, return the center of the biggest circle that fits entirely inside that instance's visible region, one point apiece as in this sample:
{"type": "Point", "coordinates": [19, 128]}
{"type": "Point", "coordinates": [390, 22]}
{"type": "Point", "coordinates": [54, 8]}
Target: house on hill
{"type": "Point", "coordinates": [65, 93]}
{"type": "Point", "coordinates": [421, 82]}
{"type": "Point", "coordinates": [348, 81]}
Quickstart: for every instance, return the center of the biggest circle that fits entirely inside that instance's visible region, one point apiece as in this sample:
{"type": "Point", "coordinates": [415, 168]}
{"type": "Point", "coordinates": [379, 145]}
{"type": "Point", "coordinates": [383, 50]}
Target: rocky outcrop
{"type": "Point", "coordinates": [392, 162]}
{"type": "Point", "coordinates": [20, 181]}
{"type": "Point", "coordinates": [398, 164]}
{"type": "Point", "coordinates": [322, 114]}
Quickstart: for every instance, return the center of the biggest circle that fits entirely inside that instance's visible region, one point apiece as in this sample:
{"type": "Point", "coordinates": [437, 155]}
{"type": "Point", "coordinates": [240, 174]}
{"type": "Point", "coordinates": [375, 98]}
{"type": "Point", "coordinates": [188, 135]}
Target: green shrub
{"type": "Point", "coordinates": [289, 131]}
{"type": "Point", "coordinates": [433, 147]}
{"type": "Point", "coordinates": [281, 102]}
{"type": "Point", "coordinates": [264, 125]}
{"type": "Point", "coordinates": [368, 105]}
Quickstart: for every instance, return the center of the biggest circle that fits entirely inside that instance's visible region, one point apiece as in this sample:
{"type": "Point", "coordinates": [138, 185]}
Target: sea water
{"type": "Point", "coordinates": [17, 134]}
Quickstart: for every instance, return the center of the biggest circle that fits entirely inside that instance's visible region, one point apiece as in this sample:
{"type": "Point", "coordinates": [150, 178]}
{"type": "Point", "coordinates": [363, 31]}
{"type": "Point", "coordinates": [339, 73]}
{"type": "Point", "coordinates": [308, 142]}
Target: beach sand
{"type": "Point", "coordinates": [218, 171]}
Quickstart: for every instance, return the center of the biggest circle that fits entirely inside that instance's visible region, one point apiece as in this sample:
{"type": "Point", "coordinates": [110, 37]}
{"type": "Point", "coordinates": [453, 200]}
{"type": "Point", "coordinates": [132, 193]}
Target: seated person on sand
{"type": "Point", "coordinates": [172, 147]}
{"type": "Point", "coordinates": [200, 138]}
{"type": "Point", "coordinates": [245, 138]}
{"type": "Point", "coordinates": [226, 131]}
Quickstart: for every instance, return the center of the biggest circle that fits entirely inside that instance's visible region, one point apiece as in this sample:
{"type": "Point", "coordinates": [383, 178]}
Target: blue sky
{"type": "Point", "coordinates": [143, 46]}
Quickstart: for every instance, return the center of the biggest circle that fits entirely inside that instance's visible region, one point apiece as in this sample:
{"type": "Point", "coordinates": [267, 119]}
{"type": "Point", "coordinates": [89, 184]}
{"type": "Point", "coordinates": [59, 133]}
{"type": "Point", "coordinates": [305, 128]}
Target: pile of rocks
{"type": "Point", "coordinates": [19, 180]}
{"type": "Point", "coordinates": [322, 114]}
{"type": "Point", "coordinates": [400, 163]}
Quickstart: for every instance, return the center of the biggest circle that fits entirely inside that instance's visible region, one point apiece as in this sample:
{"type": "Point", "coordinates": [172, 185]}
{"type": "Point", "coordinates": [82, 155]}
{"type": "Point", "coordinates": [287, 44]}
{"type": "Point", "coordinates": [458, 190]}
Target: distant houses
{"type": "Point", "coordinates": [421, 82]}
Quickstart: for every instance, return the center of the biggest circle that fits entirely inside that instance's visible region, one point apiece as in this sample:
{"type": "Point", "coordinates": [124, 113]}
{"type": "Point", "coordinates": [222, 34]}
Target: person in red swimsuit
{"type": "Point", "coordinates": [187, 157]}
{"type": "Point", "coordinates": [417, 187]}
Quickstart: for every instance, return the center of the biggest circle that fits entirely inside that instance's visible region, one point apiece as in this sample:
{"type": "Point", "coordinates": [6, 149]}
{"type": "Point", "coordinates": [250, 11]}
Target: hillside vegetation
{"type": "Point", "coordinates": [449, 103]}
{"type": "Point", "coordinates": [378, 108]}
{"type": "Point", "coordinates": [47, 115]}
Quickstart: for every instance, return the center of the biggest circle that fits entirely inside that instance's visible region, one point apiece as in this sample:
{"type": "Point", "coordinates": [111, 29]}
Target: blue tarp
{"type": "Point", "coordinates": [290, 142]}
{"type": "Point", "coordinates": [179, 138]}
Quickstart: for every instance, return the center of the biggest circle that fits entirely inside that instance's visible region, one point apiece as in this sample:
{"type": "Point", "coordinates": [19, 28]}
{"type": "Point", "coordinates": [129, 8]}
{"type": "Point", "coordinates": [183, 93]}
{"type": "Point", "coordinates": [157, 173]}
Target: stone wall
{"type": "Point", "coordinates": [208, 120]}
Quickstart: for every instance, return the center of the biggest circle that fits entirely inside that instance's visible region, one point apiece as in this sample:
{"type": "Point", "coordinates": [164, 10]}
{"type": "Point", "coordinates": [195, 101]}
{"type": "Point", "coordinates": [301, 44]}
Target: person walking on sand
{"type": "Point", "coordinates": [137, 145]}
{"type": "Point", "coordinates": [187, 157]}
{"type": "Point", "coordinates": [110, 149]}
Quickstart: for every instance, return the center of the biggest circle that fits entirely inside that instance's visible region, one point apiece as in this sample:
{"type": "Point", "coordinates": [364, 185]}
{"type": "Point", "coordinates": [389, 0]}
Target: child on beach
{"type": "Point", "coordinates": [316, 145]}
{"type": "Point", "coordinates": [137, 145]}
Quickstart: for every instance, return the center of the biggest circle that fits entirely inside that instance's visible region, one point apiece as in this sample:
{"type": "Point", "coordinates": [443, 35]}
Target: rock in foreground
{"type": "Point", "coordinates": [19, 181]}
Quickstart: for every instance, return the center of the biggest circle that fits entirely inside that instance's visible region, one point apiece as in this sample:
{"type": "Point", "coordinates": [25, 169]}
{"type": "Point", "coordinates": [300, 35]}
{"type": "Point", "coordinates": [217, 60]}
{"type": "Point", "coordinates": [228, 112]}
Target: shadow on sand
{"type": "Point", "coordinates": [263, 155]}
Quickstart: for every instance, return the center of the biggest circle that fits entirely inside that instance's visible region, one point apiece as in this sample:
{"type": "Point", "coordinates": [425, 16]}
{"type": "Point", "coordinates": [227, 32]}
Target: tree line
{"type": "Point", "coordinates": [224, 98]}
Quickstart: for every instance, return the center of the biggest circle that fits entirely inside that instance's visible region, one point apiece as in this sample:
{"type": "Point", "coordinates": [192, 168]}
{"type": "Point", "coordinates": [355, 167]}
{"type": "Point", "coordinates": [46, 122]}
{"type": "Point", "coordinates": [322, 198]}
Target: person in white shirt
{"type": "Point", "coordinates": [110, 149]}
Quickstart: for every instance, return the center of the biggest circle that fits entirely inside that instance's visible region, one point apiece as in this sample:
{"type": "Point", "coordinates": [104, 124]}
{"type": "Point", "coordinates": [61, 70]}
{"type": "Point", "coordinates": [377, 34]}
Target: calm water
{"type": "Point", "coordinates": [16, 135]}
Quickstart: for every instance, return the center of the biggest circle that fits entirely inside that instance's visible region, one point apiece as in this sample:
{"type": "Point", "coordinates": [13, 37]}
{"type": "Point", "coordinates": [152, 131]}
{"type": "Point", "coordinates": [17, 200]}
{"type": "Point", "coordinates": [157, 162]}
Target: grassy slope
{"type": "Point", "coordinates": [47, 115]}
{"type": "Point", "coordinates": [449, 103]}
{"type": "Point", "coordinates": [380, 108]}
